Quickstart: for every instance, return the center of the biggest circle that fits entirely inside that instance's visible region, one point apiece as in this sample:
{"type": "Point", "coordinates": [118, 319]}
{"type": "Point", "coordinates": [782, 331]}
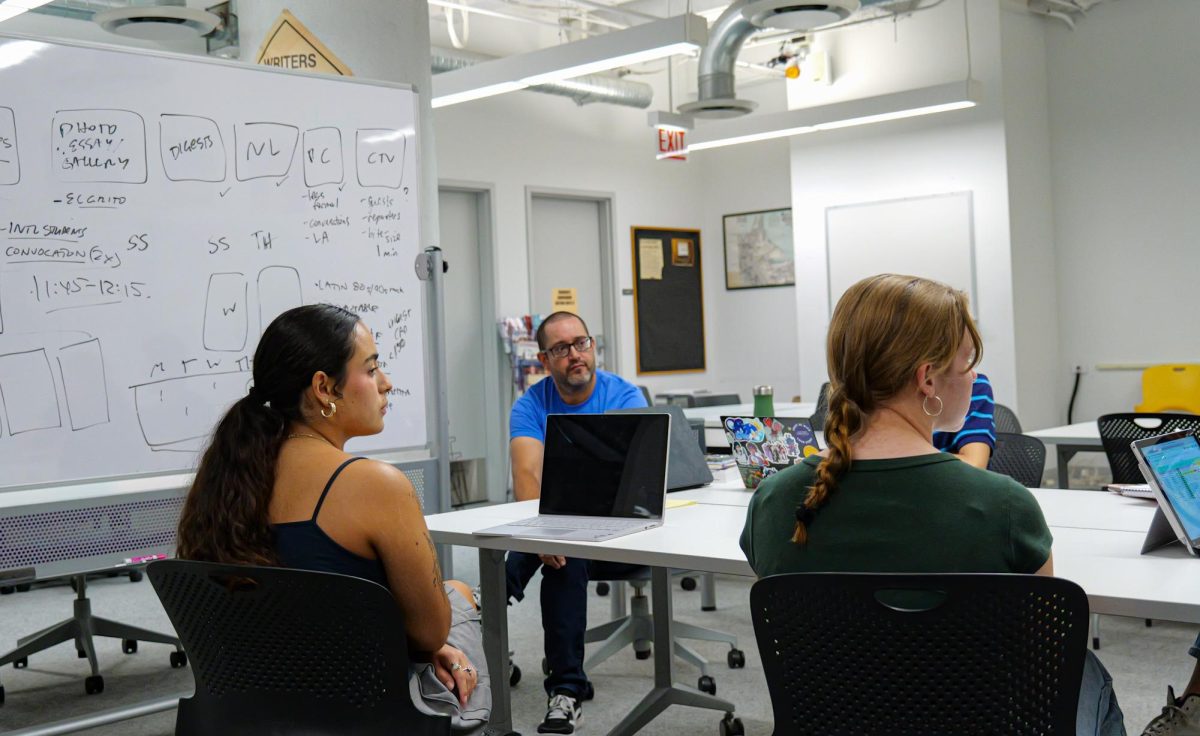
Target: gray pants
{"type": "Point", "coordinates": [428, 692]}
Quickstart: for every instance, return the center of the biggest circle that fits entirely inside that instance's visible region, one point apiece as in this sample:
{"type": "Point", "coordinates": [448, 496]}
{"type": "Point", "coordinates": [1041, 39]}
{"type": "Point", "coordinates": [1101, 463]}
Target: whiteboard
{"type": "Point", "coordinates": [931, 236]}
{"type": "Point", "coordinates": [156, 212]}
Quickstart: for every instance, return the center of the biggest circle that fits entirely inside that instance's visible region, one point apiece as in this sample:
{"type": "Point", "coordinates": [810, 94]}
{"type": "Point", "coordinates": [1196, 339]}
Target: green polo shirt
{"type": "Point", "coordinates": [929, 513]}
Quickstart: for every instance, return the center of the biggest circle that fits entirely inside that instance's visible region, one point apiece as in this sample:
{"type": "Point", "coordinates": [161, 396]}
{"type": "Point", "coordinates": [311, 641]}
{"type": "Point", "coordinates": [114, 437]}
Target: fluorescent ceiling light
{"type": "Point", "coordinates": [647, 42]}
{"type": "Point", "coordinates": [13, 8]}
{"type": "Point", "coordinates": [895, 106]}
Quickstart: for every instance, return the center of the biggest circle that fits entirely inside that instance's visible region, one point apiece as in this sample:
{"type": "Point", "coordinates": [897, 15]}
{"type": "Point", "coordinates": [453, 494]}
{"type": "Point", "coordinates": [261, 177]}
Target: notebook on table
{"type": "Point", "coordinates": [603, 476]}
{"type": "Point", "coordinates": [686, 465]}
{"type": "Point", "coordinates": [762, 446]}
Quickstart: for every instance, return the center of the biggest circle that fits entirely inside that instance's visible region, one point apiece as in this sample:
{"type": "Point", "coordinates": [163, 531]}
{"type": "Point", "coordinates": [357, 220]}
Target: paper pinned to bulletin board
{"type": "Point", "coordinates": [290, 45]}
{"type": "Point", "coordinates": [650, 259]}
{"type": "Point", "coordinates": [565, 300]}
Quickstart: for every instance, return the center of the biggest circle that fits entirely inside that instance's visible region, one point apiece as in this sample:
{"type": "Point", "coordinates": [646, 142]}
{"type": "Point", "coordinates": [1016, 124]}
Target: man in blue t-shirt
{"type": "Point", "coordinates": [574, 386]}
{"type": "Point", "coordinates": [977, 438]}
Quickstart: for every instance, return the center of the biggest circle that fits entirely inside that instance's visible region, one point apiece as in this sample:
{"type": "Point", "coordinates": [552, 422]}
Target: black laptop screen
{"type": "Point", "coordinates": [605, 465]}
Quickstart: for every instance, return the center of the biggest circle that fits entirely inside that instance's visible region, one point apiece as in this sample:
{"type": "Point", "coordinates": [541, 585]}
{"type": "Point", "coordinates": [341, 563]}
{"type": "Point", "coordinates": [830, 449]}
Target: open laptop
{"type": "Point", "coordinates": [603, 476]}
{"type": "Point", "coordinates": [762, 446]}
{"type": "Point", "coordinates": [1171, 465]}
{"type": "Point", "coordinates": [686, 465]}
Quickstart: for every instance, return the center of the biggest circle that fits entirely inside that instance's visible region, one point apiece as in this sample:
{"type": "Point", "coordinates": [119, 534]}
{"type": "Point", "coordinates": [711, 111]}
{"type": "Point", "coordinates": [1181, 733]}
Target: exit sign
{"type": "Point", "coordinates": [671, 144]}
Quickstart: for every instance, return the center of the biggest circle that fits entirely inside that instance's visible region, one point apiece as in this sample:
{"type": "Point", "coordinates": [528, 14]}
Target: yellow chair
{"type": "Point", "coordinates": [1171, 388]}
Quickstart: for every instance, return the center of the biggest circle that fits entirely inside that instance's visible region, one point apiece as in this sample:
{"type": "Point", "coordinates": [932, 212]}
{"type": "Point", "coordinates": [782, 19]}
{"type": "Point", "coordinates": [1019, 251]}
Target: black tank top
{"type": "Point", "coordinates": [305, 545]}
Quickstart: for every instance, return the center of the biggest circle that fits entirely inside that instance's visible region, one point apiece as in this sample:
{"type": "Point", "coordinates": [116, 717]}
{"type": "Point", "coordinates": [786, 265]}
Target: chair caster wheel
{"type": "Point", "coordinates": [135, 576]}
{"type": "Point", "coordinates": [24, 587]}
{"type": "Point", "coordinates": [590, 693]}
{"type": "Point", "coordinates": [602, 589]}
{"type": "Point", "coordinates": [21, 663]}
{"type": "Point", "coordinates": [545, 666]}
{"type": "Point", "coordinates": [7, 589]}
{"type": "Point", "coordinates": [643, 653]}
{"type": "Point", "coordinates": [80, 654]}
{"type": "Point", "coordinates": [178, 659]}
{"type": "Point", "coordinates": [514, 675]}
{"type": "Point", "coordinates": [129, 646]}
{"type": "Point", "coordinates": [1095, 642]}
{"type": "Point", "coordinates": [736, 659]}
{"type": "Point", "coordinates": [707, 685]}
{"type": "Point", "coordinates": [93, 685]}
{"type": "Point", "coordinates": [731, 726]}
{"type": "Point", "coordinates": [1, 695]}
{"type": "Point", "coordinates": [688, 583]}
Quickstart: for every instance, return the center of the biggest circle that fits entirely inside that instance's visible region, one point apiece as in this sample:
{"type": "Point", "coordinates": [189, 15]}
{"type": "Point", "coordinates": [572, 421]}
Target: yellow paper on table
{"type": "Point", "coordinates": [650, 259]}
{"type": "Point", "coordinates": [674, 503]}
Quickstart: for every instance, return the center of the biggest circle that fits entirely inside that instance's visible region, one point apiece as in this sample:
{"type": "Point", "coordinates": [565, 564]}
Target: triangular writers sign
{"type": "Point", "coordinates": [290, 45]}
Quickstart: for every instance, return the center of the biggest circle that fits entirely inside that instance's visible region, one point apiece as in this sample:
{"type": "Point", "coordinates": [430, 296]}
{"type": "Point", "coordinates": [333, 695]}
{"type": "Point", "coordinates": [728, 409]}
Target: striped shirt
{"type": "Point", "coordinates": [980, 425]}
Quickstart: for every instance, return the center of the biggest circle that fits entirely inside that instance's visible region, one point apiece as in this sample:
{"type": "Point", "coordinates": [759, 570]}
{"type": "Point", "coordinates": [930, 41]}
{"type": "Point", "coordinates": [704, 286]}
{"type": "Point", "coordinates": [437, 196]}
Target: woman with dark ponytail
{"type": "Point", "coordinates": [901, 355]}
{"type": "Point", "coordinates": [275, 487]}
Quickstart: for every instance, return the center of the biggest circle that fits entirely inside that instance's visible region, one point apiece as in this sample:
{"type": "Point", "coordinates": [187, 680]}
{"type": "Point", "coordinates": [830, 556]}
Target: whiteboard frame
{"type": "Point", "coordinates": [972, 289]}
{"type": "Point", "coordinates": [434, 358]}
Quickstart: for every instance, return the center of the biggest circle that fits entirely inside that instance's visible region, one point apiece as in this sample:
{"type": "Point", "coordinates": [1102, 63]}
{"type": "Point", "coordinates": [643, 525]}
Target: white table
{"type": "Point", "coordinates": [1097, 544]}
{"type": "Point", "coordinates": [714, 433]}
{"type": "Point", "coordinates": [1068, 440]}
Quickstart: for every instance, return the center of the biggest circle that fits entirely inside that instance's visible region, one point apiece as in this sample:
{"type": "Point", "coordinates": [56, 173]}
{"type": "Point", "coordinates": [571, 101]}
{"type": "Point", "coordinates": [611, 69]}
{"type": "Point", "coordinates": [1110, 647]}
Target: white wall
{"type": "Point", "coordinates": [950, 152]}
{"type": "Point", "coordinates": [1123, 113]}
{"type": "Point", "coordinates": [529, 139]}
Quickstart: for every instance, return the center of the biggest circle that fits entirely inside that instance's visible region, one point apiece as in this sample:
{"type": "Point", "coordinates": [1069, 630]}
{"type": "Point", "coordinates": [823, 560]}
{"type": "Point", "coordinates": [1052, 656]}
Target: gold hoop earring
{"type": "Point", "coordinates": [925, 408]}
{"type": "Point", "coordinates": [333, 410]}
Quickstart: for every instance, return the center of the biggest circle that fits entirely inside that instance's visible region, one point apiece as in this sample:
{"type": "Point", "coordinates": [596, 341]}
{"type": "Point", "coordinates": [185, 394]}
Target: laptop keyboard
{"type": "Point", "coordinates": [581, 522]}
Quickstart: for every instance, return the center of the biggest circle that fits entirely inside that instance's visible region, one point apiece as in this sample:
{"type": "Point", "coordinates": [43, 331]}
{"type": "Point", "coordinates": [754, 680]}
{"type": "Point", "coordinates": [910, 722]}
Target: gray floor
{"type": "Point", "coordinates": [1143, 661]}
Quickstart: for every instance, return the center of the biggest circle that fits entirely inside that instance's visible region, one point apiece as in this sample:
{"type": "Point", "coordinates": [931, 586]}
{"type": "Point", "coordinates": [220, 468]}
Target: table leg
{"type": "Point", "coordinates": [1064, 454]}
{"type": "Point", "coordinates": [494, 594]}
{"type": "Point", "coordinates": [665, 693]}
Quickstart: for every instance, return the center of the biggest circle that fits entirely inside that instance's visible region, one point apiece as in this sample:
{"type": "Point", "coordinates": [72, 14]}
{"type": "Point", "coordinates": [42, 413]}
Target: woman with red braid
{"type": "Point", "coordinates": [901, 353]}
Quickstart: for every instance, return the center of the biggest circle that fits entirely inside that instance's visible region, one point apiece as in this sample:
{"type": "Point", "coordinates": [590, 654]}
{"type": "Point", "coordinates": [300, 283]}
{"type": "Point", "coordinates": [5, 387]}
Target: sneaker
{"type": "Point", "coordinates": [562, 714]}
{"type": "Point", "coordinates": [1180, 717]}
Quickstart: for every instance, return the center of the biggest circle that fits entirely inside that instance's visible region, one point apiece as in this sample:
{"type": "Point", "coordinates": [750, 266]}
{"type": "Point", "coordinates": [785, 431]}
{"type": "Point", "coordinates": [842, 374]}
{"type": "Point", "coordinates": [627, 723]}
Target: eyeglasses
{"type": "Point", "coordinates": [581, 345]}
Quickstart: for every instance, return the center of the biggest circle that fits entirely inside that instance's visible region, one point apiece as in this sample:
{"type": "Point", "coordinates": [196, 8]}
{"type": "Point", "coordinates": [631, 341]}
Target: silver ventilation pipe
{"type": "Point", "coordinates": [716, 84]}
{"type": "Point", "coordinates": [584, 90]}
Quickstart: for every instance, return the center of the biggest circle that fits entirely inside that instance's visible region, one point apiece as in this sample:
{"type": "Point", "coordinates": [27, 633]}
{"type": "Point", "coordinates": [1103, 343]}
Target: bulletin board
{"type": "Point", "coordinates": [668, 300]}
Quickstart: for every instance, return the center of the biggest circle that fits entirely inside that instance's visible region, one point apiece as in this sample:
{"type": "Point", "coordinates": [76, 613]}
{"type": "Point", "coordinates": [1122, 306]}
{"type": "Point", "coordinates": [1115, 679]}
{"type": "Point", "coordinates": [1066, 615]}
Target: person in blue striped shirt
{"type": "Point", "coordinates": [975, 441]}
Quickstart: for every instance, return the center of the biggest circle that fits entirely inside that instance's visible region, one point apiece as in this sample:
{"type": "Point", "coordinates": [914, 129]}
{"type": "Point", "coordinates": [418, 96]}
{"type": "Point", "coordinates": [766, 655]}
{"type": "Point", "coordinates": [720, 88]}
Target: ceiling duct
{"type": "Point", "coordinates": [797, 15]}
{"type": "Point", "coordinates": [158, 20]}
{"type": "Point", "coordinates": [742, 19]}
{"type": "Point", "coordinates": [586, 89]}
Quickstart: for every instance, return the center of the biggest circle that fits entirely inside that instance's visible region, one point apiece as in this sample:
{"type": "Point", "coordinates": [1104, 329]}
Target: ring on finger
{"type": "Point", "coordinates": [455, 666]}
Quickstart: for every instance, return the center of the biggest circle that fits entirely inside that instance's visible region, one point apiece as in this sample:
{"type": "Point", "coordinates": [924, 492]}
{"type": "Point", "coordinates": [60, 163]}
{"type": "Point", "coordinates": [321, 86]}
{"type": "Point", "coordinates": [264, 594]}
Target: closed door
{"type": "Point", "coordinates": [466, 330]}
{"type": "Point", "coordinates": [568, 249]}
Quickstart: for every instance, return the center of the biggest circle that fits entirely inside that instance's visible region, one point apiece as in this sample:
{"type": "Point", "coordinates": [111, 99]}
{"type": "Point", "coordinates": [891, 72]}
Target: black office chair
{"type": "Point", "coordinates": [818, 417]}
{"type": "Point", "coordinates": [646, 395]}
{"type": "Point", "coordinates": [1118, 430]}
{"type": "Point", "coordinates": [276, 650]}
{"type": "Point", "coordinates": [903, 655]}
{"type": "Point", "coordinates": [635, 628]}
{"type": "Point", "coordinates": [1006, 419]}
{"type": "Point", "coordinates": [716, 399]}
{"type": "Point", "coordinates": [1020, 457]}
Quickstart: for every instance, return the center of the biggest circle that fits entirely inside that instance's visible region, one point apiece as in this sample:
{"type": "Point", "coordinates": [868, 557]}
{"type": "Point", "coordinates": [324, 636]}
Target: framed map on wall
{"type": "Point", "coordinates": [758, 249]}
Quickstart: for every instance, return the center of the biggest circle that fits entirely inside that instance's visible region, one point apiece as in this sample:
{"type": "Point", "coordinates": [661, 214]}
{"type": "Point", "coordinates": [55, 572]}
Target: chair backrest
{"type": "Point", "coordinates": [817, 420]}
{"type": "Point", "coordinates": [904, 655]}
{"type": "Point", "coordinates": [646, 395]}
{"type": "Point", "coordinates": [1118, 430]}
{"type": "Point", "coordinates": [1006, 419]}
{"type": "Point", "coordinates": [1020, 457]}
{"type": "Point", "coordinates": [716, 399]}
{"type": "Point", "coordinates": [1170, 388]}
{"type": "Point", "coordinates": [275, 650]}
